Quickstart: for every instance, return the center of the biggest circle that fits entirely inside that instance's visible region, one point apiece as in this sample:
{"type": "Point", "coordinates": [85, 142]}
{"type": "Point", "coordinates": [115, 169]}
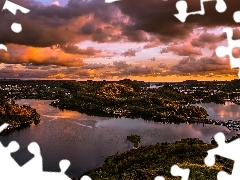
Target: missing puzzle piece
{"type": "Point", "coordinates": [85, 178]}
{"type": "Point", "coordinates": [182, 7]}
{"type": "Point", "coordinates": [2, 46]}
{"type": "Point", "coordinates": [7, 163]}
{"type": "Point", "coordinates": [111, 1]}
{"type": "Point", "coordinates": [159, 178]}
{"type": "Point", "coordinates": [227, 150]}
{"type": "Point", "coordinates": [222, 51]}
{"type": "Point", "coordinates": [33, 169]}
{"type": "Point", "coordinates": [16, 27]}
{"type": "Point", "coordinates": [34, 165]}
{"type": "Point", "coordinates": [176, 171]}
{"type": "Point", "coordinates": [12, 7]}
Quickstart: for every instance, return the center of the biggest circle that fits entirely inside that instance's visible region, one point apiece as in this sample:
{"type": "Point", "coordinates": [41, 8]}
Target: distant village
{"type": "Point", "coordinates": [207, 91]}
{"type": "Point", "coordinates": [64, 93]}
{"type": "Point", "coordinates": [33, 89]}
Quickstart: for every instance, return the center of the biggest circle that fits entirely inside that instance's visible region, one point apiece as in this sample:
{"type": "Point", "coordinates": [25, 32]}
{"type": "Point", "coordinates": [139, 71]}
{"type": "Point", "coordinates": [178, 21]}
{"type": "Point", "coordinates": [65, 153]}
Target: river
{"type": "Point", "coordinates": [87, 140]}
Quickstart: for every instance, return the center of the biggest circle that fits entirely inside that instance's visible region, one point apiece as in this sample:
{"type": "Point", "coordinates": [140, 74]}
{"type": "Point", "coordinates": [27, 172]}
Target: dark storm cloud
{"type": "Point", "coordinates": [156, 16]}
{"type": "Point", "coordinates": [45, 26]}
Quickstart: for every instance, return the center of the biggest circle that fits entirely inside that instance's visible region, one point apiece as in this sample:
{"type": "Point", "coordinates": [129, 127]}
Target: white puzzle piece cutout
{"type": "Point", "coordinates": [177, 171]}
{"type": "Point", "coordinates": [236, 16]}
{"type": "Point", "coordinates": [16, 27]}
{"type": "Point", "coordinates": [111, 1]}
{"type": "Point", "coordinates": [182, 6]}
{"type": "Point", "coordinates": [222, 51]}
{"type": "Point", "coordinates": [7, 163]}
{"type": "Point", "coordinates": [2, 46]}
{"type": "Point", "coordinates": [33, 169]}
{"type": "Point", "coordinates": [159, 178]}
{"type": "Point", "coordinates": [85, 178]}
{"type": "Point", "coordinates": [35, 164]}
{"type": "Point", "coordinates": [229, 151]}
{"type": "Point", "coordinates": [12, 7]}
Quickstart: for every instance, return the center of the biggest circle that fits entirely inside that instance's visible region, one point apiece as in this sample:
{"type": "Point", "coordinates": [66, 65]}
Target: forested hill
{"type": "Point", "coordinates": [129, 99]}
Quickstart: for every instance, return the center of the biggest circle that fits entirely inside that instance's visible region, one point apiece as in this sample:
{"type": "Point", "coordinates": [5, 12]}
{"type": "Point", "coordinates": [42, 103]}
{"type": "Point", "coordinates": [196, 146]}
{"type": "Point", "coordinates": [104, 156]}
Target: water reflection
{"type": "Point", "coordinates": [218, 111]}
{"type": "Point", "coordinates": [87, 140]}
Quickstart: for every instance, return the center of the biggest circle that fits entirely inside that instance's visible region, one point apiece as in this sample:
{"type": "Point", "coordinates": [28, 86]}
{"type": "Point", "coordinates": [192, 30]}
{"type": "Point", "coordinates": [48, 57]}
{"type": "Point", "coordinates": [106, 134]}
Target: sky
{"type": "Point", "coordinates": [134, 39]}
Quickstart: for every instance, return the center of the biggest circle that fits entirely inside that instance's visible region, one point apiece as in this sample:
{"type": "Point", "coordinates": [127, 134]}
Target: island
{"type": "Point", "coordinates": [131, 99]}
{"type": "Point", "coordinates": [18, 117]}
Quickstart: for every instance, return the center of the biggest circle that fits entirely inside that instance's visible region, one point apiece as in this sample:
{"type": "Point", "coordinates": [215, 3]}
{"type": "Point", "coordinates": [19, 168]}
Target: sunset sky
{"type": "Point", "coordinates": [136, 39]}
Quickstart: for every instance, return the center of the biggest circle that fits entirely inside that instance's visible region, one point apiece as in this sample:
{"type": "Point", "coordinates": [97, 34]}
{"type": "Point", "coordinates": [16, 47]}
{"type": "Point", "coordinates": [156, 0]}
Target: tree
{"type": "Point", "coordinates": [135, 139]}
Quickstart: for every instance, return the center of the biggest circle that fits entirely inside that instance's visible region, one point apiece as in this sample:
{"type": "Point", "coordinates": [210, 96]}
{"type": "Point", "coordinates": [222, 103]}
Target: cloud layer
{"type": "Point", "coordinates": [121, 39]}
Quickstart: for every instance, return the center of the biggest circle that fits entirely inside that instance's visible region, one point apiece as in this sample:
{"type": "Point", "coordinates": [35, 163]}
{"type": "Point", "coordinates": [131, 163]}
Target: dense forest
{"type": "Point", "coordinates": [130, 99]}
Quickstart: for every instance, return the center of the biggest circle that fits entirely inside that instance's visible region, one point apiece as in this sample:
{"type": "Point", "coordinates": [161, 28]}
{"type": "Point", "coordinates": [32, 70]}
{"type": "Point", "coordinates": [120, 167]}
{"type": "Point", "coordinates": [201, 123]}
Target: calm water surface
{"type": "Point", "coordinates": [87, 140]}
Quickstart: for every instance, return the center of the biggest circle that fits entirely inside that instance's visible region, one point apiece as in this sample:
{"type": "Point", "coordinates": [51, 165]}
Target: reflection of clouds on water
{"type": "Point", "coordinates": [219, 111]}
{"type": "Point", "coordinates": [121, 123]}
{"type": "Point", "coordinates": [209, 131]}
{"type": "Point", "coordinates": [87, 140]}
{"type": "Point", "coordinates": [151, 132]}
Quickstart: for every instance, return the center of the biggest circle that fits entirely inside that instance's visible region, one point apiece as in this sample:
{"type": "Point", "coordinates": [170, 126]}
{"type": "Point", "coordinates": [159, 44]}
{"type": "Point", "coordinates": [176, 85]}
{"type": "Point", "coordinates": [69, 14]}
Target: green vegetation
{"type": "Point", "coordinates": [130, 99]}
{"type": "Point", "coordinates": [135, 139]}
{"type": "Point", "coordinates": [16, 116]}
{"type": "Point", "coordinates": [156, 160]}
{"type": "Point", "coordinates": [231, 86]}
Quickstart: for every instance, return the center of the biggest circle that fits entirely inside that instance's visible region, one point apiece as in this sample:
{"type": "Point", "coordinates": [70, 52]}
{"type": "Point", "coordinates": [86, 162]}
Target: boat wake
{"type": "Point", "coordinates": [64, 117]}
{"type": "Point", "coordinates": [55, 117]}
{"type": "Point", "coordinates": [84, 125]}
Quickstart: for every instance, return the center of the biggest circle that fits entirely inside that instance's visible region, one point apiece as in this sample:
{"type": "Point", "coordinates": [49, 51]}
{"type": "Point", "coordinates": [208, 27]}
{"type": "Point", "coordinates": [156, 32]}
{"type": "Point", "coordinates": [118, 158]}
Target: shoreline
{"type": "Point", "coordinates": [230, 124]}
{"type": "Point", "coordinates": [18, 117]}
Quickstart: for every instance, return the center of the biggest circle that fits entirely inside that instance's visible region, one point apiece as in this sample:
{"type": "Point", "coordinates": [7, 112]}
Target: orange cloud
{"type": "Point", "coordinates": [19, 54]}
